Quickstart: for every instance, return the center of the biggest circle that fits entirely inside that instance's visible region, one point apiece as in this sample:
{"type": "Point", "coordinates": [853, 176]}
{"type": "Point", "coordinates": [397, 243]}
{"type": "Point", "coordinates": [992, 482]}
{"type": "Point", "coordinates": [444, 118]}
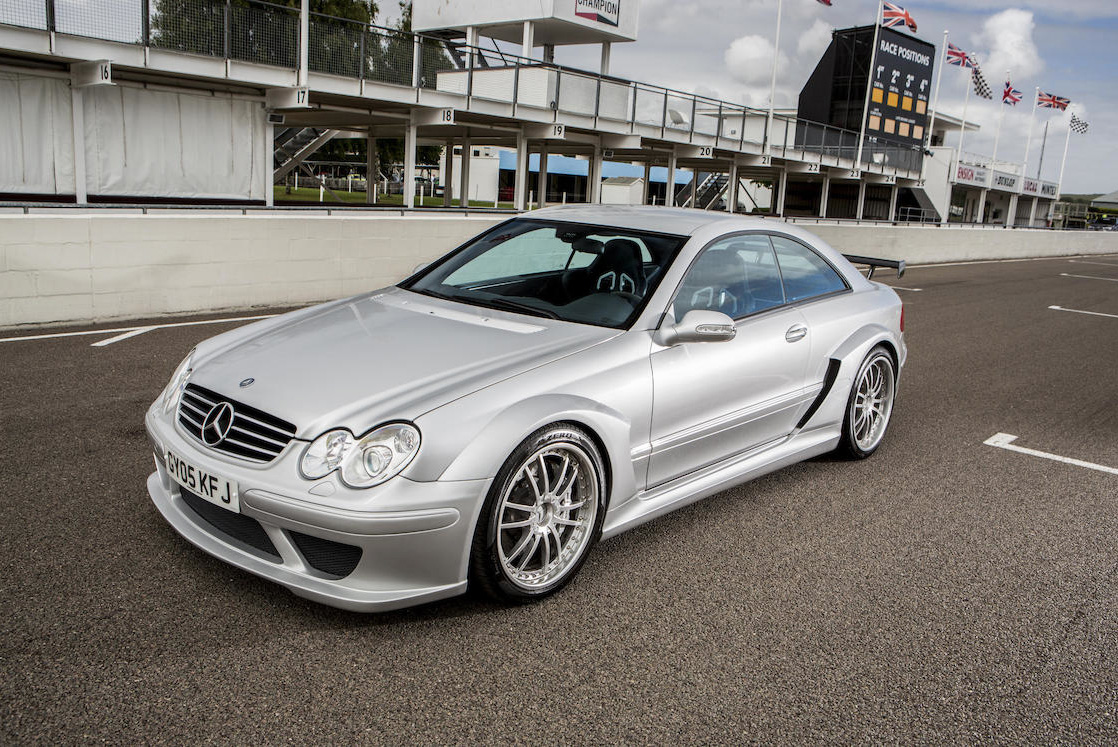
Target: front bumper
{"type": "Point", "coordinates": [414, 537]}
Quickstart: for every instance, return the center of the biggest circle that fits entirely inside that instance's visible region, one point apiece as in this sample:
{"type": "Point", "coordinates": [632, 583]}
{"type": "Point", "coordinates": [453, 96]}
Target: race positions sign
{"type": "Point", "coordinates": [901, 83]}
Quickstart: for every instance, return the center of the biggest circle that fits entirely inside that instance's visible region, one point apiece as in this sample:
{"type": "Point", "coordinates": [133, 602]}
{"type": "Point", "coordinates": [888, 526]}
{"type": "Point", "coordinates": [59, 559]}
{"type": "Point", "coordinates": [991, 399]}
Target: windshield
{"type": "Point", "coordinates": [570, 271]}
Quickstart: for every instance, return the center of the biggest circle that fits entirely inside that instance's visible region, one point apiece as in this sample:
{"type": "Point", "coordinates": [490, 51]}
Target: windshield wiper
{"type": "Point", "coordinates": [500, 302]}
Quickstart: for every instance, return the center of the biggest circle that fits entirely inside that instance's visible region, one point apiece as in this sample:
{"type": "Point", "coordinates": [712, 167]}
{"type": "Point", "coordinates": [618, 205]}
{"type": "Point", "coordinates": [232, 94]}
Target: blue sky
{"type": "Point", "coordinates": [1069, 48]}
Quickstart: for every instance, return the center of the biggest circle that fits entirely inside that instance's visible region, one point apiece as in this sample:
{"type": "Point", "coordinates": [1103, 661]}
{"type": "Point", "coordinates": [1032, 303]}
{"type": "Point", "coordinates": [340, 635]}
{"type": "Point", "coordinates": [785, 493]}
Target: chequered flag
{"type": "Point", "coordinates": [1078, 125]}
{"type": "Point", "coordinates": [980, 86]}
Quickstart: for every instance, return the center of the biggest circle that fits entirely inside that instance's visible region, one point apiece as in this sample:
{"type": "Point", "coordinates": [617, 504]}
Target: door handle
{"type": "Point", "coordinates": [795, 332]}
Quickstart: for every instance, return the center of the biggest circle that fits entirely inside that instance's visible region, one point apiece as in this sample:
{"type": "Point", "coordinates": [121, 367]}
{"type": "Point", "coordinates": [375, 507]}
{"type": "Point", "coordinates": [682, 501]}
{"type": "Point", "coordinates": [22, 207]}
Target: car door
{"type": "Point", "coordinates": [712, 400]}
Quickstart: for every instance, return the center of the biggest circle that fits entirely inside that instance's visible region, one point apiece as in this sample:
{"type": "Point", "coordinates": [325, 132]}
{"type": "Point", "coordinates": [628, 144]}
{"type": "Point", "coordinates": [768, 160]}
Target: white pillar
{"type": "Point", "coordinates": [1032, 211]}
{"type": "Point", "coordinates": [981, 205]}
{"type": "Point", "coordinates": [372, 168]}
{"type": "Point", "coordinates": [409, 165]}
{"type": "Point", "coordinates": [782, 190]}
{"type": "Point", "coordinates": [596, 176]}
{"type": "Point", "coordinates": [825, 194]}
{"type": "Point", "coordinates": [1063, 162]}
{"type": "Point", "coordinates": [669, 194]}
{"type": "Point", "coordinates": [448, 174]}
{"type": "Point", "coordinates": [1011, 213]}
{"type": "Point", "coordinates": [520, 187]}
{"type": "Point", "coordinates": [527, 40]}
{"type": "Point", "coordinates": [772, 84]}
{"type": "Point", "coordinates": [732, 194]}
{"type": "Point", "coordinates": [647, 177]}
{"type": "Point", "coordinates": [861, 198]}
{"type": "Point", "coordinates": [541, 177]}
{"type": "Point", "coordinates": [265, 164]}
{"type": "Point", "coordinates": [694, 187]}
{"type": "Point", "coordinates": [304, 37]}
{"type": "Point", "coordinates": [603, 68]}
{"type": "Point", "coordinates": [78, 108]}
{"type": "Point", "coordinates": [464, 177]}
{"type": "Point", "coordinates": [935, 99]}
{"type": "Point", "coordinates": [893, 202]}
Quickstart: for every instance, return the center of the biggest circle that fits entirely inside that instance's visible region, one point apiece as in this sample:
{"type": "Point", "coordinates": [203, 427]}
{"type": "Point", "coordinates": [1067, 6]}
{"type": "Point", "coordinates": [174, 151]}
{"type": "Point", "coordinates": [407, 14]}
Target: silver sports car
{"type": "Point", "coordinates": [565, 376]}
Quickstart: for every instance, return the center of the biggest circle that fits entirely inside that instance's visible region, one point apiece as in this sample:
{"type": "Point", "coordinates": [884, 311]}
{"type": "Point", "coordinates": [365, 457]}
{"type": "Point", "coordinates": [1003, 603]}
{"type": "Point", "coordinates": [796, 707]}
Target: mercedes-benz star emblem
{"type": "Point", "coordinates": [247, 382]}
{"type": "Point", "coordinates": [217, 424]}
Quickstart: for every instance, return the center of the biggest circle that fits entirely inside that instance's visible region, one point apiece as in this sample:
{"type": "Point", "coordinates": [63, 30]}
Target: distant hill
{"type": "Point", "coordinates": [1081, 199]}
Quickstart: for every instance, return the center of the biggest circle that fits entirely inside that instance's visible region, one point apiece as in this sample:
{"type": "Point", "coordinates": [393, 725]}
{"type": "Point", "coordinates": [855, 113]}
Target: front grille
{"type": "Point", "coordinates": [255, 435]}
{"type": "Point", "coordinates": [238, 527]}
{"type": "Point", "coordinates": [332, 558]}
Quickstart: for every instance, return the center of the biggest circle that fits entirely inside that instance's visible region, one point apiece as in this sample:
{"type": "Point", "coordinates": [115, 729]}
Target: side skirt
{"type": "Point", "coordinates": [718, 477]}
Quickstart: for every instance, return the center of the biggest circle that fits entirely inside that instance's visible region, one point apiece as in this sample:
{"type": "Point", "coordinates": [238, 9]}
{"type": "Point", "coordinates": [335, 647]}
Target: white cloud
{"type": "Point", "coordinates": [1007, 38]}
{"type": "Point", "coordinates": [814, 41]}
{"type": "Point", "coordinates": [749, 59]}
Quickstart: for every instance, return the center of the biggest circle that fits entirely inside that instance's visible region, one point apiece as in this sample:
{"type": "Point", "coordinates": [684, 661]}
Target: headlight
{"type": "Point", "coordinates": [376, 457]}
{"type": "Point", "coordinates": [178, 382]}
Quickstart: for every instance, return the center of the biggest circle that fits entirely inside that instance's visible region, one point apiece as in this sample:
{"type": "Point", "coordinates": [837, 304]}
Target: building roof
{"type": "Point", "coordinates": [1106, 201]}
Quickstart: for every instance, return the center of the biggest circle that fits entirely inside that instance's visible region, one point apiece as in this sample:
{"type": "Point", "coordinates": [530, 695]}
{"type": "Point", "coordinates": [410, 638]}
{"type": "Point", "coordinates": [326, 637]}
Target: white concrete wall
{"type": "Point", "coordinates": [105, 266]}
{"type": "Point", "coordinates": [82, 268]}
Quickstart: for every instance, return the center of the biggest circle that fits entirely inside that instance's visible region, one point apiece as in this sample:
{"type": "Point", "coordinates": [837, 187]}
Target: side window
{"type": "Point", "coordinates": [737, 276]}
{"type": "Point", "coordinates": [805, 273]}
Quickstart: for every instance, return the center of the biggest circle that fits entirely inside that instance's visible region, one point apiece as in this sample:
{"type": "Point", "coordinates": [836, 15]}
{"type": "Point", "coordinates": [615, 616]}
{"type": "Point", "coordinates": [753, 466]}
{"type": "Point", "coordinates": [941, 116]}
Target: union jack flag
{"type": "Point", "coordinates": [895, 15]}
{"type": "Point", "coordinates": [956, 56]}
{"type": "Point", "coordinates": [1049, 101]}
{"type": "Point", "coordinates": [1010, 95]}
{"type": "Point", "coordinates": [826, 2]}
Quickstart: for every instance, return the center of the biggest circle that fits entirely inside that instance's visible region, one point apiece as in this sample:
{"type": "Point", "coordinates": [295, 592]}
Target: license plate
{"type": "Point", "coordinates": [203, 483]}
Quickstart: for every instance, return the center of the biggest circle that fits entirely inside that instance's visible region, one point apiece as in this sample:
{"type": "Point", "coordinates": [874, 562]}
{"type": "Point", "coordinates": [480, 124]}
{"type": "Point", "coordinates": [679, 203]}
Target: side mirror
{"type": "Point", "coordinates": [699, 325]}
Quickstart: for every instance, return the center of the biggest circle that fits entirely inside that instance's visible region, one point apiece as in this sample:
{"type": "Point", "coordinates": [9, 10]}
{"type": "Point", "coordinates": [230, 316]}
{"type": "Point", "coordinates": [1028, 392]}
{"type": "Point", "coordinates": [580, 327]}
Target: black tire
{"type": "Point", "coordinates": [851, 445]}
{"type": "Point", "coordinates": [494, 542]}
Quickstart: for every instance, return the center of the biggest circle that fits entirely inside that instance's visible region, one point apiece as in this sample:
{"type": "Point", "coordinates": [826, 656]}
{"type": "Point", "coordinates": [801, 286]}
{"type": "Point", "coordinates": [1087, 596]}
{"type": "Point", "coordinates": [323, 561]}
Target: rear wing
{"type": "Point", "coordinates": [897, 264]}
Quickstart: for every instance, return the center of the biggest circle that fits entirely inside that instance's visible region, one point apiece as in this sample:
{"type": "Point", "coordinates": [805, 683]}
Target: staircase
{"type": "Point", "coordinates": [293, 145]}
{"type": "Point", "coordinates": [710, 189]}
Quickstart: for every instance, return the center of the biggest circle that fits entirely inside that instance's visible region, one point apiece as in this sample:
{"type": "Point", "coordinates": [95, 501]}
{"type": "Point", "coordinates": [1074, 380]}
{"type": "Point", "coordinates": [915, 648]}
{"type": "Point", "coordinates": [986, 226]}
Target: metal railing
{"type": "Point", "coordinates": [267, 33]}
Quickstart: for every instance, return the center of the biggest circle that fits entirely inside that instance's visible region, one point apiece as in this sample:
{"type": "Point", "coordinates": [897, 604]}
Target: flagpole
{"type": "Point", "coordinates": [935, 102]}
{"type": "Point", "coordinates": [1063, 162]}
{"type": "Point", "coordinates": [998, 133]}
{"type": "Point", "coordinates": [963, 126]}
{"type": "Point", "coordinates": [1029, 142]}
{"type": "Point", "coordinates": [772, 85]}
{"type": "Point", "coordinates": [879, 19]}
{"type": "Point", "coordinates": [1043, 142]}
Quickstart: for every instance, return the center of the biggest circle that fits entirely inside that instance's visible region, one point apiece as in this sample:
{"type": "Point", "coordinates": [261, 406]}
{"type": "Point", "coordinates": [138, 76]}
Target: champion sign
{"type": "Point", "coordinates": [603, 11]}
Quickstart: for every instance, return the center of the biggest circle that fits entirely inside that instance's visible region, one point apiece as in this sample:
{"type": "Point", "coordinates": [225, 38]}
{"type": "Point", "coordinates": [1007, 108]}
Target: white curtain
{"type": "Point", "coordinates": [36, 135]}
{"type": "Point", "coordinates": [162, 144]}
{"type": "Point", "coordinates": [138, 143]}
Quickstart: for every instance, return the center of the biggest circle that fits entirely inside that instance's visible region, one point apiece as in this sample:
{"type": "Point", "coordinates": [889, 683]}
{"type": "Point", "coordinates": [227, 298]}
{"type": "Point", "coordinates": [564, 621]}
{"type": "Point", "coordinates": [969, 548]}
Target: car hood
{"type": "Point", "coordinates": [389, 355]}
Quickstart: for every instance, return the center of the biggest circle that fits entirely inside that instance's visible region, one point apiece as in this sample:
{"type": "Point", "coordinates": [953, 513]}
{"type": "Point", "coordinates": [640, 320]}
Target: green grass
{"type": "Point", "coordinates": [310, 194]}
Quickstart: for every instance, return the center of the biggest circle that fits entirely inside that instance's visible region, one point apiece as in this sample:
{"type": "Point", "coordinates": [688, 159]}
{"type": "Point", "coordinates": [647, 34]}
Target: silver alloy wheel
{"type": "Point", "coordinates": [546, 517]}
{"type": "Point", "coordinates": [873, 402]}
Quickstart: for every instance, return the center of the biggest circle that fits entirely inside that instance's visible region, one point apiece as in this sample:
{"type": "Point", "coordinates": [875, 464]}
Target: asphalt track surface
{"type": "Point", "coordinates": [941, 591]}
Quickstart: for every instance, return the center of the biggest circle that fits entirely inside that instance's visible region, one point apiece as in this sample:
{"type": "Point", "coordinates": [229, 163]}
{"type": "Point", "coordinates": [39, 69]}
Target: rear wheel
{"type": "Point", "coordinates": [869, 406]}
{"type": "Point", "coordinates": [541, 517]}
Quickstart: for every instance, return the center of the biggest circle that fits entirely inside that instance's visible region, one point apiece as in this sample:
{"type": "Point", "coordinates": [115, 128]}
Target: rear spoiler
{"type": "Point", "coordinates": [897, 264]}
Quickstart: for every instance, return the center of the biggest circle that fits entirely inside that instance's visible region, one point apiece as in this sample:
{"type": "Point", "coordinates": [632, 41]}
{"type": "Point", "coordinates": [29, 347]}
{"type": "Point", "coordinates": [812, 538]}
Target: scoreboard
{"type": "Point", "coordinates": [900, 86]}
{"type": "Point", "coordinates": [897, 71]}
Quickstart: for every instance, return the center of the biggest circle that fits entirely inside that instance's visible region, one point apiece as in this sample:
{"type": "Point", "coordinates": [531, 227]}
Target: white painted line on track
{"type": "Point", "coordinates": [1078, 311]}
{"type": "Point", "coordinates": [1088, 277]}
{"type": "Point", "coordinates": [902, 288]}
{"type": "Point", "coordinates": [122, 336]}
{"type": "Point", "coordinates": [1005, 441]}
{"type": "Point", "coordinates": [54, 335]}
{"type": "Point", "coordinates": [1088, 262]}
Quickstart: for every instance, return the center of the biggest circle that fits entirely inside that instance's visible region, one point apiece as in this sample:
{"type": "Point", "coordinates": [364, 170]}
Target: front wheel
{"type": "Point", "coordinates": [543, 513]}
{"type": "Point", "coordinates": [869, 406]}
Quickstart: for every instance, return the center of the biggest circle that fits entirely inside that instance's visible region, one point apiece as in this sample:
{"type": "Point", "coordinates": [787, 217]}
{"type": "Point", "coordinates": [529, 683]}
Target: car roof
{"type": "Point", "coordinates": [678, 221]}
